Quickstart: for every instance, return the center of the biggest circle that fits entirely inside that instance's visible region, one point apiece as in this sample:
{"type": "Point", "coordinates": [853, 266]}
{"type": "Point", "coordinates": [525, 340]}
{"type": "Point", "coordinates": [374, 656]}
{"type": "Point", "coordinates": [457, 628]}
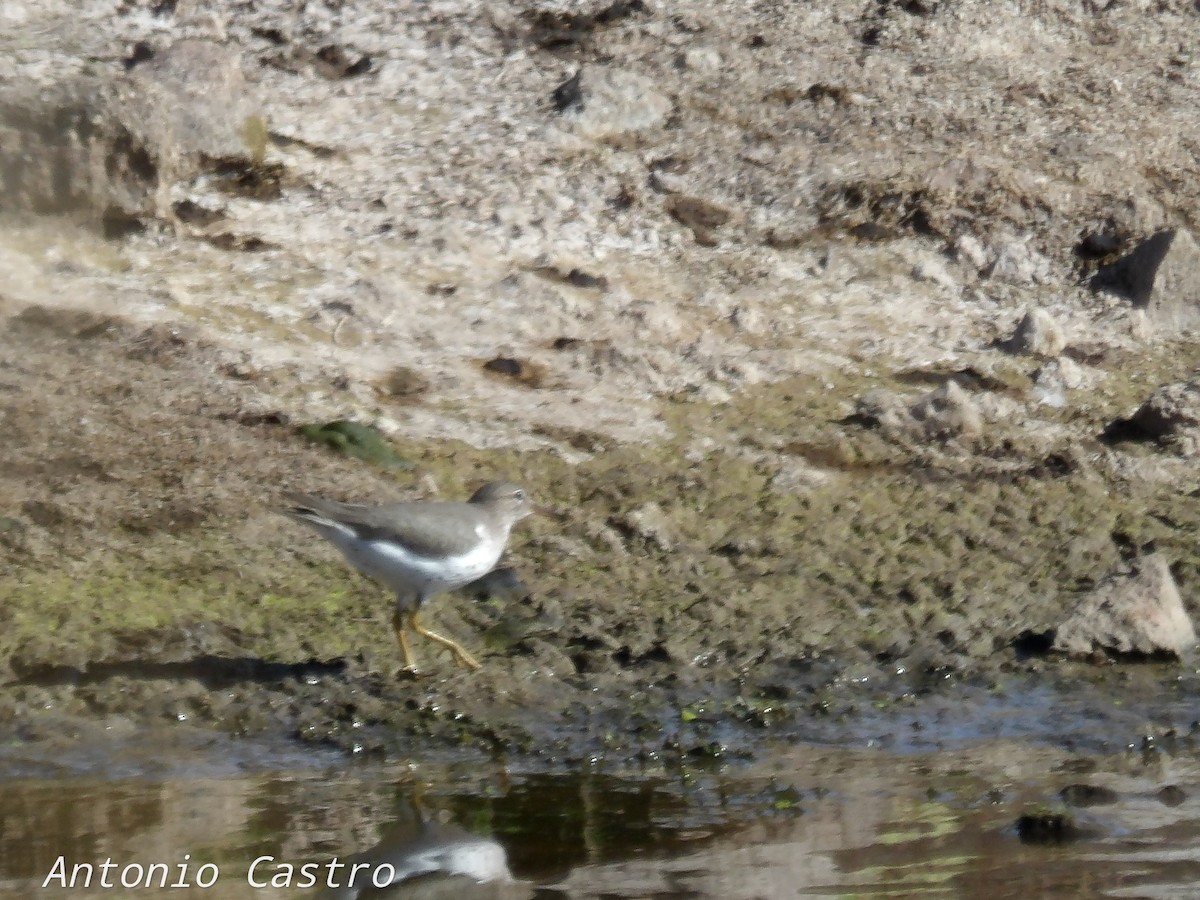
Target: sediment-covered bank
{"type": "Point", "coordinates": [851, 340]}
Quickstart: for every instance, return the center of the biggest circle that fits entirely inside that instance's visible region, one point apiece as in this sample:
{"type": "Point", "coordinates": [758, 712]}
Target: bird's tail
{"type": "Point", "coordinates": [309, 509]}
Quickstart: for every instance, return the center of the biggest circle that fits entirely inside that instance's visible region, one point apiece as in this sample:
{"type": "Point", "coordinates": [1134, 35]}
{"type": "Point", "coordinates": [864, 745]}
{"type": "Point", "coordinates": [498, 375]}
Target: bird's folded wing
{"type": "Point", "coordinates": [450, 531]}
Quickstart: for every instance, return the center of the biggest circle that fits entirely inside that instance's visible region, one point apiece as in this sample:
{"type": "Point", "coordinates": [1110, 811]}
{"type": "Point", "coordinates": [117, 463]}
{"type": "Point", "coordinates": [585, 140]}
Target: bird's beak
{"type": "Point", "coordinates": [549, 513]}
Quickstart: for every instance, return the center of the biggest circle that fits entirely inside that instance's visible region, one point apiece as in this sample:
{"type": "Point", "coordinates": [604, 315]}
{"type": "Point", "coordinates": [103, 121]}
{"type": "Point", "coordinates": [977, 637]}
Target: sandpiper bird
{"type": "Point", "coordinates": [420, 549]}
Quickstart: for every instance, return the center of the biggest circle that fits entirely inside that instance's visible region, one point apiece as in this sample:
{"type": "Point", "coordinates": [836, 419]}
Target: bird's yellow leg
{"type": "Point", "coordinates": [398, 624]}
{"type": "Point", "coordinates": [461, 656]}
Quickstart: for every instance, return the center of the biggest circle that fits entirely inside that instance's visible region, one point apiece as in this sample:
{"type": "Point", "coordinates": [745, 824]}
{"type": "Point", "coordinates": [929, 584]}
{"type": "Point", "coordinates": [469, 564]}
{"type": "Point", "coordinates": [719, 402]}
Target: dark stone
{"type": "Point", "coordinates": [405, 383]}
{"type": "Point", "coordinates": [44, 515]}
{"type": "Point", "coordinates": [1098, 244]}
{"type": "Point", "coordinates": [1171, 795]}
{"type": "Point", "coordinates": [1047, 828]}
{"type": "Point", "coordinates": [1033, 643]}
{"type": "Point", "coordinates": [504, 365]}
{"type": "Point", "coordinates": [140, 53]}
{"type": "Point", "coordinates": [554, 31]}
{"type": "Point", "coordinates": [191, 213]}
{"type": "Point", "coordinates": [1087, 795]}
{"type": "Point", "coordinates": [271, 35]}
{"type": "Point", "coordinates": [618, 10]}
{"type": "Point", "coordinates": [693, 211]}
{"type": "Point", "coordinates": [582, 279]}
{"type": "Point", "coordinates": [873, 231]}
{"type": "Point", "coordinates": [116, 223]}
{"type": "Point", "coordinates": [1172, 409]}
{"type": "Point", "coordinates": [246, 178]}
{"type": "Point", "coordinates": [569, 93]}
{"type": "Point", "coordinates": [332, 62]}
{"type": "Point", "coordinates": [575, 277]}
{"type": "Point", "coordinates": [244, 243]}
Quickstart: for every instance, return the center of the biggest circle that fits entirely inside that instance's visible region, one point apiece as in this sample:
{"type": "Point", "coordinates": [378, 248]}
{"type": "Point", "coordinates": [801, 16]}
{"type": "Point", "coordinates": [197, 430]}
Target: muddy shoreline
{"type": "Point", "coordinates": [147, 577]}
{"type": "Point", "coordinates": [853, 344]}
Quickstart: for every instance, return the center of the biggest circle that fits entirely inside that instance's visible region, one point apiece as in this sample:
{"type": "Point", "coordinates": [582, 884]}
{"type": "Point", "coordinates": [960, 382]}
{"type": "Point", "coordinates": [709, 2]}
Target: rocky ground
{"type": "Point", "coordinates": [855, 339]}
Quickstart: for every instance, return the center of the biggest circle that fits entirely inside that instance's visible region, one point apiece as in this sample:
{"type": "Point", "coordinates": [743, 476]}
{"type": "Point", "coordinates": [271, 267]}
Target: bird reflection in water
{"type": "Point", "coordinates": [419, 859]}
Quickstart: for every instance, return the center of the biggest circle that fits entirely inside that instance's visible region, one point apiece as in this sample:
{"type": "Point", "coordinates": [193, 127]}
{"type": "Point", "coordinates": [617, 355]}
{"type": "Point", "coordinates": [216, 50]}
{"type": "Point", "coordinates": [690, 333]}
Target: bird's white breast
{"type": "Point", "coordinates": [403, 570]}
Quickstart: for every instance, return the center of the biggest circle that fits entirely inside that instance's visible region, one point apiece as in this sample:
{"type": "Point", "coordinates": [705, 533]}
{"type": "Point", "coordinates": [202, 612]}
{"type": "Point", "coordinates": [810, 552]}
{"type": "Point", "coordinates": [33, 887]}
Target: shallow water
{"type": "Point", "coordinates": [809, 821]}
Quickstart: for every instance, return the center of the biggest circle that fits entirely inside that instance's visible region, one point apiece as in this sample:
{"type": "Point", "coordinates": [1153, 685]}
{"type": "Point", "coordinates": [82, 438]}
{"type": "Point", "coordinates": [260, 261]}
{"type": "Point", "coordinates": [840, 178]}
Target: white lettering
{"type": "Point", "coordinates": [250, 875]}
{"type": "Point", "coordinates": [283, 876]}
{"type": "Point", "coordinates": [125, 871]}
{"type": "Point", "coordinates": [216, 873]}
{"type": "Point", "coordinates": [133, 875]}
{"type": "Point", "coordinates": [179, 882]}
{"type": "Point", "coordinates": [354, 870]}
{"type": "Point", "coordinates": [59, 870]}
{"type": "Point", "coordinates": [333, 865]}
{"type": "Point", "coordinates": [308, 874]}
{"type": "Point", "coordinates": [162, 882]}
{"type": "Point", "coordinates": [391, 875]}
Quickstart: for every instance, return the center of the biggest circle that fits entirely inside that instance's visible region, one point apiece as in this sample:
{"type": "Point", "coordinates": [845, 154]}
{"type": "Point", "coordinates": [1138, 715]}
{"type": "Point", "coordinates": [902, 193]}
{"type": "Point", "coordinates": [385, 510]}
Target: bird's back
{"type": "Point", "coordinates": [413, 548]}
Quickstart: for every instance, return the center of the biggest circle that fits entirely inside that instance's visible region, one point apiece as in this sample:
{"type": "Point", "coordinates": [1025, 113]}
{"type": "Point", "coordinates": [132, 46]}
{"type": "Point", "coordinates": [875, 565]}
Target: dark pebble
{"type": "Point", "coordinates": [1171, 795]}
{"type": "Point", "coordinates": [1087, 795]}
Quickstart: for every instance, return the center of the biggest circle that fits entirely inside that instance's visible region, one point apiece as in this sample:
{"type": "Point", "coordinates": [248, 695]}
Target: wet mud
{"type": "Point", "coordinates": [705, 593]}
{"type": "Point", "coordinates": [803, 315]}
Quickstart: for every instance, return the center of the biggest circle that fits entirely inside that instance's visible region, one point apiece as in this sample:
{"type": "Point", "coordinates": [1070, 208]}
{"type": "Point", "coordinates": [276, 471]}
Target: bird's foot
{"type": "Point", "coordinates": [410, 673]}
{"type": "Point", "coordinates": [465, 660]}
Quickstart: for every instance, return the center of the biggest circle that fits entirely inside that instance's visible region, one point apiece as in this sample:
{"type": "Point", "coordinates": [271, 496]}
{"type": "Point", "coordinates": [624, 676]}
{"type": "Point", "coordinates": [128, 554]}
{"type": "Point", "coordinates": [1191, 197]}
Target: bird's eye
{"type": "Point", "coordinates": [518, 494]}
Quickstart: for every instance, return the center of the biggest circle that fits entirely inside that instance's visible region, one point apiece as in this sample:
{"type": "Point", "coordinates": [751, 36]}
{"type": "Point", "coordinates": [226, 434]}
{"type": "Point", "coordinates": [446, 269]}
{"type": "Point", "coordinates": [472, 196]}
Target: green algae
{"type": "Point", "coordinates": [355, 439]}
{"type": "Point", "coordinates": [780, 552]}
{"type": "Point", "coordinates": [118, 613]}
{"type": "Point", "coordinates": [255, 137]}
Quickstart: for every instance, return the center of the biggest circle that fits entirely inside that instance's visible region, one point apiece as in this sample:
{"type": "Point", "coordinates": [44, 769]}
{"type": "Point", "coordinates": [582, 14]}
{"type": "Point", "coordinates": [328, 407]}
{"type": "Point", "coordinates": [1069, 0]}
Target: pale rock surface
{"type": "Point", "coordinates": [948, 412]}
{"type": "Point", "coordinates": [945, 413]}
{"type": "Point", "coordinates": [99, 145]}
{"type": "Point", "coordinates": [1135, 612]}
{"type": "Point", "coordinates": [1062, 371]}
{"type": "Point", "coordinates": [1173, 410]}
{"type": "Point", "coordinates": [1019, 263]}
{"type": "Point", "coordinates": [651, 523]}
{"type": "Point", "coordinates": [616, 104]}
{"type": "Point", "coordinates": [1037, 334]}
{"type": "Point", "coordinates": [1162, 276]}
{"type": "Point", "coordinates": [1055, 377]}
{"type": "Point", "coordinates": [971, 251]}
